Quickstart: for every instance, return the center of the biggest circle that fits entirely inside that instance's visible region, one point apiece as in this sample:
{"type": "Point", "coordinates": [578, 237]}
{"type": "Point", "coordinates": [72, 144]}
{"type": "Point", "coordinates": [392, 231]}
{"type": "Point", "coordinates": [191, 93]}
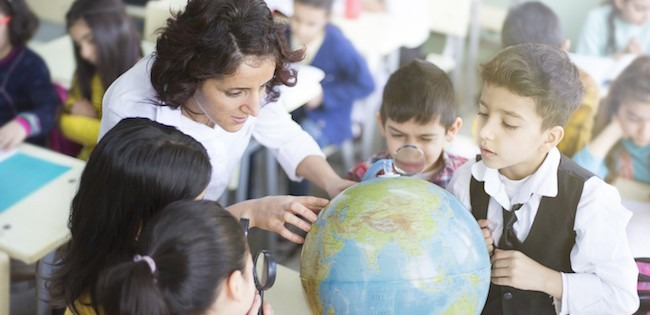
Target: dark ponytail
{"type": "Point", "coordinates": [193, 246]}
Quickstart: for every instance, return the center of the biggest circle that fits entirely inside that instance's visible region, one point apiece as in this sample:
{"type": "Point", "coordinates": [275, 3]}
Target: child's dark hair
{"type": "Point", "coordinates": [136, 169]}
{"type": "Point", "coordinates": [23, 24]}
{"type": "Point", "coordinates": [193, 247]}
{"type": "Point", "coordinates": [531, 22]}
{"type": "Point", "coordinates": [210, 39]}
{"type": "Point", "coordinates": [541, 72]}
{"type": "Point", "coordinates": [419, 90]}
{"type": "Point", "coordinates": [116, 39]}
{"type": "Point", "coordinates": [320, 4]}
{"type": "Point", "coordinates": [632, 85]}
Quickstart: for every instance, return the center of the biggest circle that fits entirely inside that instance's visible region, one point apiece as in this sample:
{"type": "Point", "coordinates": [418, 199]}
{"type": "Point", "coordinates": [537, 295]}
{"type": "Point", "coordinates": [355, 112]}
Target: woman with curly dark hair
{"type": "Point", "coordinates": [214, 76]}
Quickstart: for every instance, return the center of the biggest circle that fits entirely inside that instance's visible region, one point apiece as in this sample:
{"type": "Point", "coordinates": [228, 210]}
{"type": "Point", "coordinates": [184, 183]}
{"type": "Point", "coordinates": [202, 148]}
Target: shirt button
{"type": "Point", "coordinates": [507, 296]}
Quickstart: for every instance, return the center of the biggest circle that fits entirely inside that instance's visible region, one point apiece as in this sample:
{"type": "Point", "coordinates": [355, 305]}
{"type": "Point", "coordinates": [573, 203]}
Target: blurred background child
{"type": "Point", "coordinates": [106, 44]}
{"type": "Point", "coordinates": [191, 258]}
{"type": "Point", "coordinates": [418, 108]}
{"type": "Point", "coordinates": [618, 27]}
{"type": "Point", "coordinates": [347, 78]}
{"type": "Point", "coordinates": [534, 22]}
{"type": "Point", "coordinates": [28, 98]}
{"type": "Point", "coordinates": [621, 143]}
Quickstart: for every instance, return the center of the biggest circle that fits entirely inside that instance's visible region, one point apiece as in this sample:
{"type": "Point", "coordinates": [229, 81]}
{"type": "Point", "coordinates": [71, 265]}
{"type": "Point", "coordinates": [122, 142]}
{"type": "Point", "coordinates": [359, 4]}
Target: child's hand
{"type": "Point", "coordinates": [83, 108]}
{"type": "Point", "coordinates": [272, 212]}
{"type": "Point", "coordinates": [11, 134]}
{"type": "Point", "coordinates": [315, 102]}
{"type": "Point", "coordinates": [515, 269]}
{"type": "Point", "coordinates": [487, 235]}
{"type": "Point", "coordinates": [634, 47]}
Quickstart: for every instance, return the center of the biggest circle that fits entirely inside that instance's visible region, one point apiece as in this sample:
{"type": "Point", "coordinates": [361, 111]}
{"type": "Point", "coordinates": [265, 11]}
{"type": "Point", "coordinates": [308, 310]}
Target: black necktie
{"type": "Point", "coordinates": [509, 238]}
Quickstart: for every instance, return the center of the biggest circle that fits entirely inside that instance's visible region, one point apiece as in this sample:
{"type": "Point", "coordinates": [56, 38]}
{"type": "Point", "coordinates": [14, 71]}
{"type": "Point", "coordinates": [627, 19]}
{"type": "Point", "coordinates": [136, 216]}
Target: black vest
{"type": "Point", "coordinates": [549, 242]}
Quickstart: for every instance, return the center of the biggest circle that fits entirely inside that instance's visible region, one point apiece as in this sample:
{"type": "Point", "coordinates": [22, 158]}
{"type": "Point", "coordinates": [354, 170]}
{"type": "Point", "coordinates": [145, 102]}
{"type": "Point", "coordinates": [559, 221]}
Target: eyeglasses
{"type": "Point", "coordinates": [5, 20]}
{"type": "Point", "coordinates": [264, 267]}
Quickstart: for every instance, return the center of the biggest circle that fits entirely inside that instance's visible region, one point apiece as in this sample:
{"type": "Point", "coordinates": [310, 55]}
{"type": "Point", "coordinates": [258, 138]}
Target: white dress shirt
{"type": "Point", "coordinates": [605, 275]}
{"type": "Point", "coordinates": [132, 95]}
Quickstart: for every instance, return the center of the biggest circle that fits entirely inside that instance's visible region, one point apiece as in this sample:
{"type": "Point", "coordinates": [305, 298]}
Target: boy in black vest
{"type": "Point", "coordinates": [555, 232]}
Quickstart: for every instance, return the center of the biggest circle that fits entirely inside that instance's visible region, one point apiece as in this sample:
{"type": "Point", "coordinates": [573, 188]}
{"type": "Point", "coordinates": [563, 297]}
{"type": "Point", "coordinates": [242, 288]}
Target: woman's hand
{"type": "Point", "coordinates": [11, 134]}
{"type": "Point", "coordinates": [337, 185]}
{"type": "Point", "coordinates": [272, 212]}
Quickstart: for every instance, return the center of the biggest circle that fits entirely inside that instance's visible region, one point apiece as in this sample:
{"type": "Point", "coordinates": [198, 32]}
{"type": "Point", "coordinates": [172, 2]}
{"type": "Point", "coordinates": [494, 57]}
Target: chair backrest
{"type": "Point", "coordinates": [50, 10]}
{"type": "Point", "coordinates": [156, 14]}
{"type": "Point", "coordinates": [450, 17]}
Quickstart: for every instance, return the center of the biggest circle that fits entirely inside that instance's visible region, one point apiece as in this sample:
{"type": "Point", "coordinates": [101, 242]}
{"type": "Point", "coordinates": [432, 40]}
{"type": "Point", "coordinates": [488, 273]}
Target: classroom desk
{"type": "Point", "coordinates": [287, 296]}
{"type": "Point", "coordinates": [58, 55]}
{"type": "Point", "coordinates": [37, 224]}
{"type": "Point", "coordinates": [636, 197]}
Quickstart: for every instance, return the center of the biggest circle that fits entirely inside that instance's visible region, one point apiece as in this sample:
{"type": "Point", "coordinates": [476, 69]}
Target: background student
{"type": "Point", "coordinates": [621, 143]}
{"type": "Point", "coordinates": [28, 99]}
{"type": "Point", "coordinates": [418, 108]}
{"type": "Point", "coordinates": [534, 22]}
{"type": "Point", "coordinates": [559, 231]}
{"type": "Point", "coordinates": [191, 258]}
{"type": "Point", "coordinates": [106, 44]}
{"type": "Point", "coordinates": [618, 27]}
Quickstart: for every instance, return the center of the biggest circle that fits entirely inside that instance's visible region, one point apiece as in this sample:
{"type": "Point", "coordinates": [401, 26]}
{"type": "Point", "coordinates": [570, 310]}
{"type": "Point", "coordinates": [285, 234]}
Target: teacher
{"type": "Point", "coordinates": [214, 76]}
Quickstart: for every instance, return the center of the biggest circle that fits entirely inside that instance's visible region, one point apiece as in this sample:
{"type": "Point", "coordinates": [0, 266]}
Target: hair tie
{"type": "Point", "coordinates": [148, 260]}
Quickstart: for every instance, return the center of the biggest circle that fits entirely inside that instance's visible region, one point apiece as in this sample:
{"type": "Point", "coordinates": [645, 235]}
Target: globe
{"type": "Point", "coordinates": [395, 246]}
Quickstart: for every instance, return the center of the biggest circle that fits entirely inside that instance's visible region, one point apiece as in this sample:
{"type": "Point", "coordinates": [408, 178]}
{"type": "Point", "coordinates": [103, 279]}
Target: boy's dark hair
{"type": "Point", "coordinates": [321, 4]}
{"type": "Point", "coordinates": [419, 90]}
{"type": "Point", "coordinates": [531, 22]}
{"type": "Point", "coordinates": [23, 22]}
{"type": "Point", "coordinates": [541, 72]}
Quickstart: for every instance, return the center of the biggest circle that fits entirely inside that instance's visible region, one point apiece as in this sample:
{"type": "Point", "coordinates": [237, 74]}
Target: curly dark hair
{"type": "Point", "coordinates": [210, 39]}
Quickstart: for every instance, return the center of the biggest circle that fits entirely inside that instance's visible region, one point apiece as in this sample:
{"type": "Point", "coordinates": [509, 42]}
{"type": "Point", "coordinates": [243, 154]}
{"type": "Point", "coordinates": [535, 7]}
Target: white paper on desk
{"type": "Point", "coordinates": [6, 154]}
{"type": "Point", "coordinates": [603, 70]}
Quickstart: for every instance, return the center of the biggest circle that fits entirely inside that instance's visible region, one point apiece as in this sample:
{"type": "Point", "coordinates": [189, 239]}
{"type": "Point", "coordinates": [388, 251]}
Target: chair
{"type": "Point", "coordinates": [450, 18]}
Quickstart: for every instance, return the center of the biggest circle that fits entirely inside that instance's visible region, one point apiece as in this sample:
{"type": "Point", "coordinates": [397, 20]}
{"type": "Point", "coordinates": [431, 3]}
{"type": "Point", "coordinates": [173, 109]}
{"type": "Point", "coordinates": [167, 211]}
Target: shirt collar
{"type": "Point", "coordinates": [542, 183]}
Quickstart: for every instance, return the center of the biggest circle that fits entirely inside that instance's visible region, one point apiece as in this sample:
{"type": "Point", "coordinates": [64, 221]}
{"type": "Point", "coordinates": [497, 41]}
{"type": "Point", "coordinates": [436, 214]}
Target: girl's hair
{"type": "Point", "coordinates": [210, 40]}
{"type": "Point", "coordinates": [116, 40]}
{"type": "Point", "coordinates": [632, 85]}
{"type": "Point", "coordinates": [194, 246]}
{"type": "Point", "coordinates": [137, 168]}
{"type": "Point", "coordinates": [23, 22]}
{"type": "Point", "coordinates": [610, 46]}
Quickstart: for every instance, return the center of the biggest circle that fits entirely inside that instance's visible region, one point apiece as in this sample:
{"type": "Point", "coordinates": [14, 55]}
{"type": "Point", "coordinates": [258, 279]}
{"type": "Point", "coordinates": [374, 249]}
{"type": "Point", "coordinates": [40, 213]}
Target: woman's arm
{"type": "Point", "coordinates": [318, 171]}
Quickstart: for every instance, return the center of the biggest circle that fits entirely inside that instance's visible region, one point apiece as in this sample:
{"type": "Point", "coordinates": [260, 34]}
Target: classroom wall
{"type": "Point", "coordinates": [572, 13]}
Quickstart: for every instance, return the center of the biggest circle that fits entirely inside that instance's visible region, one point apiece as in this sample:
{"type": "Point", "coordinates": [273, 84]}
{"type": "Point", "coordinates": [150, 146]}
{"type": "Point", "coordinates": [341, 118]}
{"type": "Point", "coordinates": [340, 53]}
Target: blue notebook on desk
{"type": "Point", "coordinates": [22, 174]}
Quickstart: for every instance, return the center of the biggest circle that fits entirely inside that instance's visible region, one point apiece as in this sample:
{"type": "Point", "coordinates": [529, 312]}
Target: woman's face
{"type": "Point", "coordinates": [635, 121]}
{"type": "Point", "coordinates": [229, 101]}
{"type": "Point", "coordinates": [634, 11]}
{"type": "Point", "coordinates": [82, 37]}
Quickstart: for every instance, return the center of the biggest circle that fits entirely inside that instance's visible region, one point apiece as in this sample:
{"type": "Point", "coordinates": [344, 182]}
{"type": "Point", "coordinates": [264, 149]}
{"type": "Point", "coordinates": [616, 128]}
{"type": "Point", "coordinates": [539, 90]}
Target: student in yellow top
{"type": "Point", "coordinates": [533, 22]}
{"type": "Point", "coordinates": [106, 44]}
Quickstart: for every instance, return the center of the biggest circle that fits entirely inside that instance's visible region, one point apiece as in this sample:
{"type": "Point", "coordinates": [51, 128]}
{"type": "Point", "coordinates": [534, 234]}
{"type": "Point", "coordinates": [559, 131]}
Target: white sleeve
{"type": "Point", "coordinates": [275, 130]}
{"type": "Point", "coordinates": [593, 37]}
{"type": "Point", "coordinates": [605, 275]}
{"type": "Point", "coordinates": [459, 184]}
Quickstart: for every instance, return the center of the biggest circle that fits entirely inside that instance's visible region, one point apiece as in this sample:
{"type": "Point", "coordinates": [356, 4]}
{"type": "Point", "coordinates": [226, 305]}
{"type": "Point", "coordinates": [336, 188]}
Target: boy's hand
{"type": "Point", "coordinates": [514, 269]}
{"type": "Point", "coordinates": [487, 235]}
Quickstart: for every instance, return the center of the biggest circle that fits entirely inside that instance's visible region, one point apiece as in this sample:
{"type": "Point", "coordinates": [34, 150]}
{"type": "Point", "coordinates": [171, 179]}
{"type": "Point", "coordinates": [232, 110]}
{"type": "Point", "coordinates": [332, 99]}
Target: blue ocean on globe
{"type": "Point", "coordinates": [395, 246]}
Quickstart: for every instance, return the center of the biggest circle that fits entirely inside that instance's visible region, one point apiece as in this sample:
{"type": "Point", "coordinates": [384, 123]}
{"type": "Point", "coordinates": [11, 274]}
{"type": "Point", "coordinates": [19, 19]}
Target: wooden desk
{"type": "Point", "coordinates": [636, 197]}
{"type": "Point", "coordinates": [37, 224]}
{"type": "Point", "coordinates": [287, 296]}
